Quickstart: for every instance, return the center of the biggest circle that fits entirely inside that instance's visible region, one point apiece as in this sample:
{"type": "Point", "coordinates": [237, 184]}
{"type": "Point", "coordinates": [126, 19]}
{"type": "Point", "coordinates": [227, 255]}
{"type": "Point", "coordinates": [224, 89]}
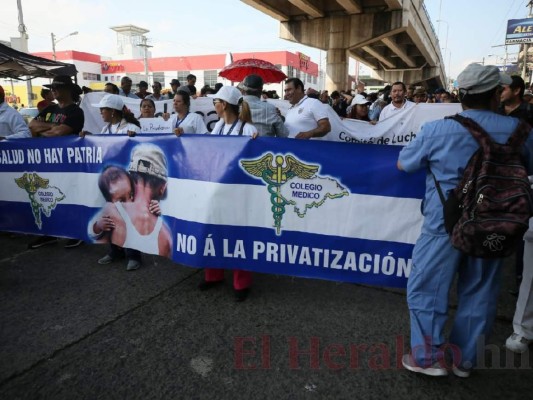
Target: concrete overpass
{"type": "Point", "coordinates": [394, 37]}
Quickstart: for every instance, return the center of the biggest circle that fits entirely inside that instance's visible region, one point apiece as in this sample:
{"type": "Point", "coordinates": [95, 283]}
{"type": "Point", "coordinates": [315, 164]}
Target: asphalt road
{"type": "Point", "coordinates": [73, 329]}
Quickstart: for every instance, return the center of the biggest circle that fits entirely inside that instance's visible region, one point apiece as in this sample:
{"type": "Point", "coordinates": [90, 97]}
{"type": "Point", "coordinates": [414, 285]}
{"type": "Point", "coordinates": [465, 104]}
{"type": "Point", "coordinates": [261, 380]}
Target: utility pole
{"type": "Point", "coordinates": [24, 48]}
{"type": "Point", "coordinates": [526, 45]}
{"type": "Point", "coordinates": [145, 45]}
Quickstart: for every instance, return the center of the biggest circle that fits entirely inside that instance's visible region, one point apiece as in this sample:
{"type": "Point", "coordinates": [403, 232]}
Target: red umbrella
{"type": "Point", "coordinates": [237, 71]}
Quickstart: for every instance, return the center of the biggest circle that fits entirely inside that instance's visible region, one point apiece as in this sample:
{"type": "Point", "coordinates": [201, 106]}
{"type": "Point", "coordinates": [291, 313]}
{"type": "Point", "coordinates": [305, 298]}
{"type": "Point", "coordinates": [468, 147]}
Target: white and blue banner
{"type": "Point", "coordinates": [303, 208]}
{"type": "Point", "coordinates": [398, 130]}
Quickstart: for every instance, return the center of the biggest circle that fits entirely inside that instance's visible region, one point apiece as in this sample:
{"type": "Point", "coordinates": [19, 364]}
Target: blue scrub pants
{"type": "Point", "coordinates": [435, 265]}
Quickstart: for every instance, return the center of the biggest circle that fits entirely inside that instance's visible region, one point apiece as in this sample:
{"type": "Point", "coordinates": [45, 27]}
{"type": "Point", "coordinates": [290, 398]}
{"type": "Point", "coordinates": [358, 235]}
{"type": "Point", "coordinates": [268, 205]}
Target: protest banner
{"type": "Point", "coordinates": [303, 208]}
{"type": "Point", "coordinates": [397, 130]}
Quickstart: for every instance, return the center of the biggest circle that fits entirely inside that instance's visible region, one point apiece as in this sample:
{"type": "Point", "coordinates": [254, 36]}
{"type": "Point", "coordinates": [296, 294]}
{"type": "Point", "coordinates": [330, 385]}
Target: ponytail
{"type": "Point", "coordinates": [130, 117]}
{"type": "Point", "coordinates": [245, 114]}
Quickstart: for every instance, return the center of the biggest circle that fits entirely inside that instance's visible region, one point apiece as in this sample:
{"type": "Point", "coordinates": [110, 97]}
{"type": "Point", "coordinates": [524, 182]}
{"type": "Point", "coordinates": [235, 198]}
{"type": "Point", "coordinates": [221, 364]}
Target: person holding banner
{"type": "Point", "coordinates": [61, 119]}
{"type": "Point", "coordinates": [307, 118]}
{"type": "Point", "coordinates": [227, 101]}
{"type": "Point", "coordinates": [147, 108]}
{"type": "Point", "coordinates": [398, 101]}
{"type": "Point", "coordinates": [184, 121]}
{"type": "Point", "coordinates": [118, 118]}
{"type": "Point", "coordinates": [442, 148]}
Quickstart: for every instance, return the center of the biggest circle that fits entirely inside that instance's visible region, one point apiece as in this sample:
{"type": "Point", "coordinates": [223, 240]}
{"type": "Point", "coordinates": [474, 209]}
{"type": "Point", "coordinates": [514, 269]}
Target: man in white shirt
{"type": "Point", "coordinates": [399, 102]}
{"type": "Point", "coordinates": [12, 124]}
{"type": "Point", "coordinates": [307, 118]}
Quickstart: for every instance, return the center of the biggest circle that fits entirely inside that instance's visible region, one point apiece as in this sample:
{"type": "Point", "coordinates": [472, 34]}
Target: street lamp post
{"type": "Point", "coordinates": [55, 41]}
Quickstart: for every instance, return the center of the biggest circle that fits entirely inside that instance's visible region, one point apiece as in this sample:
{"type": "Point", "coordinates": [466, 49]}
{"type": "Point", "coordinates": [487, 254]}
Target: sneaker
{"type": "Point", "coordinates": [42, 241]}
{"type": "Point", "coordinates": [517, 343]}
{"type": "Point", "coordinates": [461, 372]}
{"type": "Point", "coordinates": [107, 259]}
{"type": "Point", "coordinates": [434, 370]}
{"type": "Point", "coordinates": [133, 265]}
{"type": "Point", "coordinates": [71, 243]}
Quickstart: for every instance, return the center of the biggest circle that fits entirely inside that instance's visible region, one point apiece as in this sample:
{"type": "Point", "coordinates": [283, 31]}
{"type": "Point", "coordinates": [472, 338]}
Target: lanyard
{"type": "Point", "coordinates": [109, 127]}
{"type": "Point", "coordinates": [179, 121]}
{"type": "Point", "coordinates": [221, 131]}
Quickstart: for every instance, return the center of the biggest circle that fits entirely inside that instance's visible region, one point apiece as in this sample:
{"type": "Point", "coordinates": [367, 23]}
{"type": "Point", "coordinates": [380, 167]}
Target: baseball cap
{"type": "Point", "coordinates": [149, 159]}
{"type": "Point", "coordinates": [477, 78]}
{"type": "Point", "coordinates": [175, 82]}
{"type": "Point", "coordinates": [230, 94]}
{"type": "Point", "coordinates": [360, 99]}
{"type": "Point", "coordinates": [252, 82]}
{"type": "Point", "coordinates": [113, 101]}
{"type": "Point", "coordinates": [420, 92]}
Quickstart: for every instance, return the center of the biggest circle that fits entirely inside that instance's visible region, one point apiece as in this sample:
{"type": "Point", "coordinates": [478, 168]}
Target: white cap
{"type": "Point", "coordinates": [230, 94]}
{"type": "Point", "coordinates": [113, 101]}
{"type": "Point", "coordinates": [359, 99]}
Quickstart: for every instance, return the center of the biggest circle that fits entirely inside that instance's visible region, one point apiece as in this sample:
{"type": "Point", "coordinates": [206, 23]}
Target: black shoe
{"type": "Point", "coordinates": [241, 294]}
{"type": "Point", "coordinates": [42, 241]}
{"type": "Point", "coordinates": [71, 243]}
{"type": "Point", "coordinates": [204, 285]}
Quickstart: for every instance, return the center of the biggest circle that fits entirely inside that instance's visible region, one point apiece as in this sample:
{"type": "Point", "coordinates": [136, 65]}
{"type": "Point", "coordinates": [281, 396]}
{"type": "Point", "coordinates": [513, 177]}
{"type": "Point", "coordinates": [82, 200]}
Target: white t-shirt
{"type": "Point", "coordinates": [121, 127]}
{"type": "Point", "coordinates": [192, 123]}
{"type": "Point", "coordinates": [221, 128]}
{"type": "Point", "coordinates": [304, 115]}
{"type": "Point", "coordinates": [391, 110]}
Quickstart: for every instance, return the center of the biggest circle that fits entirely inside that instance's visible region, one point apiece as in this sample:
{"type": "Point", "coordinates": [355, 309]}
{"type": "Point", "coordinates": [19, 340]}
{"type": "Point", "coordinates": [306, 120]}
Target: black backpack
{"type": "Point", "coordinates": [488, 212]}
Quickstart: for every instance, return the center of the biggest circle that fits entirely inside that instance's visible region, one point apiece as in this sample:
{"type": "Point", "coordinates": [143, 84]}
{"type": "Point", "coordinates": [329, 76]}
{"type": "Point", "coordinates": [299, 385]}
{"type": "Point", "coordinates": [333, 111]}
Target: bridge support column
{"type": "Point", "coordinates": [336, 70]}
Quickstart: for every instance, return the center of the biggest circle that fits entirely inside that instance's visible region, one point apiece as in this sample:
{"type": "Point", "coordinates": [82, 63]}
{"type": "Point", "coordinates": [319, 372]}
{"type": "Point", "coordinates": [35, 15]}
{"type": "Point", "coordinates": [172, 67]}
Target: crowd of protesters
{"type": "Point", "coordinates": [242, 112]}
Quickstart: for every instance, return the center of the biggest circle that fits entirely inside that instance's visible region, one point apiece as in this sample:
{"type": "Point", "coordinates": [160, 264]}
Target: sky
{"type": "Point", "coordinates": [468, 31]}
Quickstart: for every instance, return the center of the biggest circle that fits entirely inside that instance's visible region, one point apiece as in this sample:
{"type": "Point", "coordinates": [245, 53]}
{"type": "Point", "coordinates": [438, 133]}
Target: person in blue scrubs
{"type": "Point", "coordinates": [444, 148]}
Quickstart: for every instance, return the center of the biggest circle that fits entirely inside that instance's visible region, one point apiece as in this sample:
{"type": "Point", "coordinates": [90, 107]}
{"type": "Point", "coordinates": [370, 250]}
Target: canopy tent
{"type": "Point", "coordinates": [16, 64]}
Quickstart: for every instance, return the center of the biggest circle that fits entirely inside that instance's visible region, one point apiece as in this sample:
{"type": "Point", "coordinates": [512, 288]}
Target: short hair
{"type": "Point", "coordinates": [400, 83]}
{"type": "Point", "coordinates": [44, 92]}
{"type": "Point", "coordinates": [114, 87]}
{"type": "Point", "coordinates": [125, 79]}
{"type": "Point", "coordinates": [157, 83]}
{"type": "Point", "coordinates": [148, 100]}
{"type": "Point", "coordinates": [185, 96]}
{"type": "Point", "coordinates": [518, 83]}
{"type": "Point", "coordinates": [111, 174]}
{"type": "Point", "coordinates": [191, 76]}
{"type": "Point", "coordinates": [296, 82]}
{"type": "Point", "coordinates": [477, 100]}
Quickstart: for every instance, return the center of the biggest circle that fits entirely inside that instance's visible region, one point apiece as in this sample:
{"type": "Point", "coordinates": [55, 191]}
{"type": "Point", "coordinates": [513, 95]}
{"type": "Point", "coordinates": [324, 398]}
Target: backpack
{"type": "Point", "coordinates": [488, 212]}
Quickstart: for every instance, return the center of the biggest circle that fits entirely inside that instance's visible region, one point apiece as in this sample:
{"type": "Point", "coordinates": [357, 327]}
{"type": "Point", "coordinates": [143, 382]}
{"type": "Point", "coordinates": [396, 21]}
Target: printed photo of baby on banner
{"type": "Point", "coordinates": [129, 193]}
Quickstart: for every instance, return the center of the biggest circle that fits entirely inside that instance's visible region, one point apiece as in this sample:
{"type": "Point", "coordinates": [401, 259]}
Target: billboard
{"type": "Point", "coordinates": [519, 31]}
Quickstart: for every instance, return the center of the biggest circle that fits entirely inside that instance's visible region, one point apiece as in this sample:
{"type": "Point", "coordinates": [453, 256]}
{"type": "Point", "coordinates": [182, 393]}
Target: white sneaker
{"type": "Point", "coordinates": [461, 372]}
{"type": "Point", "coordinates": [517, 343]}
{"type": "Point", "coordinates": [434, 370]}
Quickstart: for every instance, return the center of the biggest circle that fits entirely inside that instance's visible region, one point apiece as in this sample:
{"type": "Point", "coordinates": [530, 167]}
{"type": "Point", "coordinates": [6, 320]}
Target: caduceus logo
{"type": "Point", "coordinates": [43, 197]}
{"type": "Point", "coordinates": [292, 182]}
